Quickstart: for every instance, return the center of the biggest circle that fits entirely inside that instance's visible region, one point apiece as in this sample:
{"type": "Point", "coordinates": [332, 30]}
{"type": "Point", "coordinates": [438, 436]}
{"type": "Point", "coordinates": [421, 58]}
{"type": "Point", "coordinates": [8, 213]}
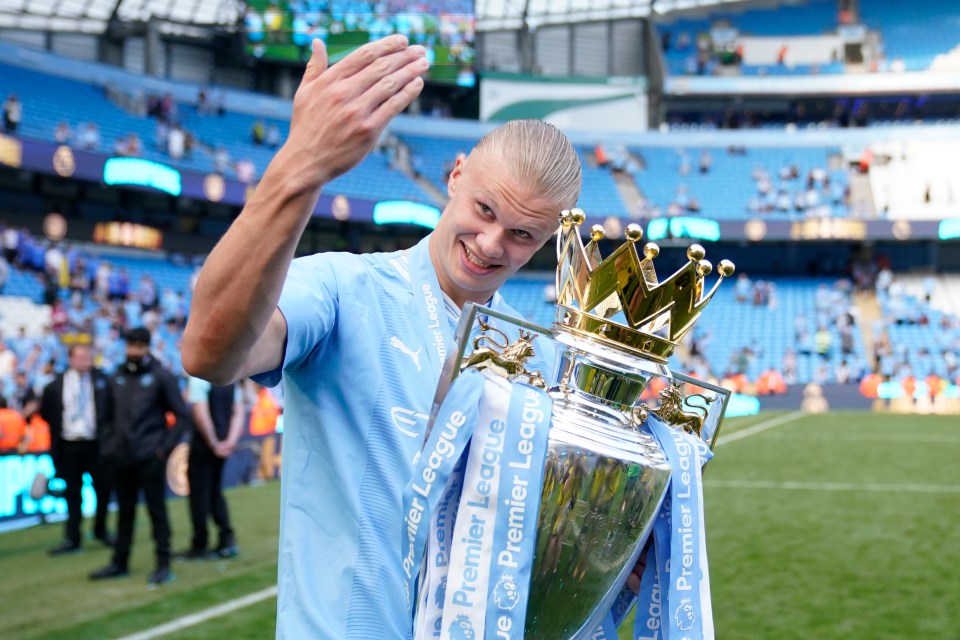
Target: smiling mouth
{"type": "Point", "coordinates": [475, 261]}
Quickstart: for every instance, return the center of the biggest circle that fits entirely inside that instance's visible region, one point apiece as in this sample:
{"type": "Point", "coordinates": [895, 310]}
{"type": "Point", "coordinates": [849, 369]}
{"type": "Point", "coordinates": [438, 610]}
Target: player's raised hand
{"type": "Point", "coordinates": [340, 111]}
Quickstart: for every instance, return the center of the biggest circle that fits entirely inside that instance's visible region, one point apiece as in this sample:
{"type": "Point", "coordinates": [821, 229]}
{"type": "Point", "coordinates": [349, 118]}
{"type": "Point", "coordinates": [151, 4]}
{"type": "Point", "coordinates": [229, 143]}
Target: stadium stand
{"type": "Point", "coordinates": [803, 39]}
{"type": "Point", "coordinates": [779, 182]}
{"type": "Point", "coordinates": [44, 110]}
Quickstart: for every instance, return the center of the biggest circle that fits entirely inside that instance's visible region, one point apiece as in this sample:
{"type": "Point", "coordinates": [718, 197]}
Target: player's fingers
{"type": "Point", "coordinates": [384, 67]}
{"type": "Point", "coordinates": [368, 54]}
{"type": "Point", "coordinates": [317, 63]}
{"type": "Point", "coordinates": [396, 103]}
{"type": "Point", "coordinates": [633, 583]}
{"type": "Point", "coordinates": [389, 85]}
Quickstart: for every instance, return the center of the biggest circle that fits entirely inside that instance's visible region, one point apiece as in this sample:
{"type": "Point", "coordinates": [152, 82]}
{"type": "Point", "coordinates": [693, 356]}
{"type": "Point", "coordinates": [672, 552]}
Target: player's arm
{"type": "Point", "coordinates": [235, 329]}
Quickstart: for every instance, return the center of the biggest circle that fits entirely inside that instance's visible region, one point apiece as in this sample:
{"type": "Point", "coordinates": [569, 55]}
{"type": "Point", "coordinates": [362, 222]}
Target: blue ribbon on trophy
{"type": "Point", "coordinates": [684, 610]}
{"type": "Point", "coordinates": [678, 557]}
{"type": "Point", "coordinates": [482, 513]}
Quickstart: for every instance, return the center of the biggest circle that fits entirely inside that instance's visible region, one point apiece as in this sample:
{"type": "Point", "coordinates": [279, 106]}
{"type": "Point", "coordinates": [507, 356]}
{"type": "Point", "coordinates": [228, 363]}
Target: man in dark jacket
{"type": "Point", "coordinates": [136, 446]}
{"type": "Point", "coordinates": [77, 406]}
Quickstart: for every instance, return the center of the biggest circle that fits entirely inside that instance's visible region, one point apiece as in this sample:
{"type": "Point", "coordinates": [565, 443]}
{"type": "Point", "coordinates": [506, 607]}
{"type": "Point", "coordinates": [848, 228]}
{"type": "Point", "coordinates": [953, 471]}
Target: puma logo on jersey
{"type": "Point", "coordinates": [414, 355]}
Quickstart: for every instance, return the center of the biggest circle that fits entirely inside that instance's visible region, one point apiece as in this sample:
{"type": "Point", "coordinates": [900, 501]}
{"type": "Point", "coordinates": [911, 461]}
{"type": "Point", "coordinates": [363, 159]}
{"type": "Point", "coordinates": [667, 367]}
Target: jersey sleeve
{"type": "Point", "coordinates": [309, 304]}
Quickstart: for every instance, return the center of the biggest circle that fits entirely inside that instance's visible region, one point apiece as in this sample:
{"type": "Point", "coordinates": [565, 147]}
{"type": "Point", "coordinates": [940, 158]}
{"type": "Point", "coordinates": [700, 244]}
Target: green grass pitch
{"type": "Point", "coordinates": [837, 526]}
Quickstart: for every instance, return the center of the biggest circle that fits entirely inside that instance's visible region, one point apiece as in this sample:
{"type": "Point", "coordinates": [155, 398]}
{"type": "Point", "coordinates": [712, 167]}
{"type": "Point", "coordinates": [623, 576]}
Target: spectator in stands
{"type": "Point", "coordinates": [329, 137]}
{"type": "Point", "coordinates": [203, 104]}
{"type": "Point", "coordinates": [23, 397]}
{"type": "Point", "coordinates": [120, 146]}
{"type": "Point", "coordinates": [272, 136]}
{"type": "Point", "coordinates": [133, 149]}
{"type": "Point", "coordinates": [842, 375]}
{"type": "Point", "coordinates": [4, 273]}
{"type": "Point", "coordinates": [706, 162]}
{"type": "Point", "coordinates": [743, 287]}
{"type": "Point", "coordinates": [135, 444]}
{"type": "Point", "coordinates": [168, 108]}
{"type": "Point", "coordinates": [118, 284]}
{"type": "Point", "coordinates": [823, 342]}
{"type": "Point", "coordinates": [161, 136]}
{"type": "Point", "coordinates": [11, 245]}
{"type": "Point", "coordinates": [600, 154]}
{"type": "Point", "coordinates": [77, 405]}
{"type": "Point", "coordinates": [77, 315]}
{"type": "Point", "coordinates": [89, 137]}
{"type": "Point", "coordinates": [63, 134]}
{"type": "Point", "coordinates": [245, 171]}
{"type": "Point", "coordinates": [189, 144]}
{"type": "Point", "coordinates": [79, 278]}
{"type": "Point", "coordinates": [21, 344]}
{"type": "Point", "coordinates": [218, 103]}
{"type": "Point", "coordinates": [176, 142]}
{"type": "Point", "coordinates": [12, 113]}
{"type": "Point", "coordinates": [218, 420]}
{"type": "Point", "coordinates": [221, 160]}
{"type": "Point", "coordinates": [101, 281]}
{"type": "Point", "coordinates": [147, 293]}
{"type": "Point", "coordinates": [8, 361]}
{"type": "Point", "coordinates": [258, 132]}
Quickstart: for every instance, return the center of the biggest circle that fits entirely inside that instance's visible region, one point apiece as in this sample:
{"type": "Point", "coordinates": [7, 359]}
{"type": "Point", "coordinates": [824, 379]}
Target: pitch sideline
{"type": "Point", "coordinates": [759, 427]}
{"type": "Point", "coordinates": [202, 616]}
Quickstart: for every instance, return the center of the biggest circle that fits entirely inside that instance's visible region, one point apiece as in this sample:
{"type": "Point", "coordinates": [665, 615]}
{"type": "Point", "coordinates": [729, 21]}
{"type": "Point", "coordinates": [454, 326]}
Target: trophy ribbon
{"type": "Point", "coordinates": [430, 304]}
{"type": "Point", "coordinates": [434, 468]}
{"type": "Point", "coordinates": [679, 553]}
{"type": "Point", "coordinates": [480, 545]}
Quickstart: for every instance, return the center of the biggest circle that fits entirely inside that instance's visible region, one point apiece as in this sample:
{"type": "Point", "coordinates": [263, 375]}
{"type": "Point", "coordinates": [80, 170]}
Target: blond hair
{"type": "Point", "coordinates": [540, 156]}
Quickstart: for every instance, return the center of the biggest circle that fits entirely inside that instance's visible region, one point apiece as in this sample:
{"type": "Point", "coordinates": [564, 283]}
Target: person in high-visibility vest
{"type": "Point", "coordinates": [263, 416]}
{"type": "Point", "coordinates": [12, 428]}
{"type": "Point", "coordinates": [37, 436]}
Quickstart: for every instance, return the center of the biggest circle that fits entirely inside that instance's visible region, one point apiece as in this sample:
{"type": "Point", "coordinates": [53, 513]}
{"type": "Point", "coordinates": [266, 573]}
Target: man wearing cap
{"type": "Point", "coordinates": [135, 445]}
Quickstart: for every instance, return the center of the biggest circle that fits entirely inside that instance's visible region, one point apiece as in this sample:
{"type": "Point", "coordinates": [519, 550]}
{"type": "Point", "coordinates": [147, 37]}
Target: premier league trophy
{"type": "Point", "coordinates": [566, 472]}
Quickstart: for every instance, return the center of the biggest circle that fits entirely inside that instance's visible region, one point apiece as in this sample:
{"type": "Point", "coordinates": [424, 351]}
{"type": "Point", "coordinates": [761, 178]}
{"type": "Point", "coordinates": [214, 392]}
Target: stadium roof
{"type": "Point", "coordinates": [495, 15]}
{"type": "Point", "coordinates": [92, 16]}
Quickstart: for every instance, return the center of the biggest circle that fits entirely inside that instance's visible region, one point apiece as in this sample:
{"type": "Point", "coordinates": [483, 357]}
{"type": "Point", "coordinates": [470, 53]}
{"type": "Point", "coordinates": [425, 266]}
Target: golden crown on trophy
{"type": "Point", "coordinates": [592, 290]}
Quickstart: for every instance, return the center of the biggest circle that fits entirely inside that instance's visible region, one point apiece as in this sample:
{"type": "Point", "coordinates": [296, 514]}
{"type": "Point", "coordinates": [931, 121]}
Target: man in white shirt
{"type": "Point", "coordinates": [75, 405]}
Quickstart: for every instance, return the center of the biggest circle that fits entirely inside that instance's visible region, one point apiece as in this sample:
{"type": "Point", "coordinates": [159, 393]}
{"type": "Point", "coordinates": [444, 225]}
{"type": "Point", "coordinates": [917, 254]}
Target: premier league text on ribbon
{"type": "Point", "coordinates": [444, 449]}
{"type": "Point", "coordinates": [515, 530]}
{"type": "Point", "coordinates": [683, 493]}
{"type": "Point", "coordinates": [485, 488]}
{"type": "Point", "coordinates": [531, 417]}
{"type": "Point", "coordinates": [435, 318]}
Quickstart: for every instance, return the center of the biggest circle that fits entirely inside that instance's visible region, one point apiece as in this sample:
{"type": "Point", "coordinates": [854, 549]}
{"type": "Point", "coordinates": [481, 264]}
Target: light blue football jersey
{"type": "Point", "coordinates": [359, 381]}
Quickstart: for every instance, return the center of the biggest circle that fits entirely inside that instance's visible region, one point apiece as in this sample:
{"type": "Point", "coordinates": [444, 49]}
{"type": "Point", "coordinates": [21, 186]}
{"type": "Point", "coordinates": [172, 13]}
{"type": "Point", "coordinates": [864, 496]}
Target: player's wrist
{"type": "Point", "coordinates": [299, 172]}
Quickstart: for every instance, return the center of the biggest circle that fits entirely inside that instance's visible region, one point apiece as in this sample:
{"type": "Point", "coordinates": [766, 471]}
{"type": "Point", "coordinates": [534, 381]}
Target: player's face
{"type": "Point", "coordinates": [491, 227]}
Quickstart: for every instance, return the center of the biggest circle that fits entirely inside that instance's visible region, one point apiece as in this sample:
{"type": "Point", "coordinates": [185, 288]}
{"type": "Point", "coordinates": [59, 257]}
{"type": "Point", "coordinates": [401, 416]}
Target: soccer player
{"type": "Point", "coordinates": [359, 341]}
